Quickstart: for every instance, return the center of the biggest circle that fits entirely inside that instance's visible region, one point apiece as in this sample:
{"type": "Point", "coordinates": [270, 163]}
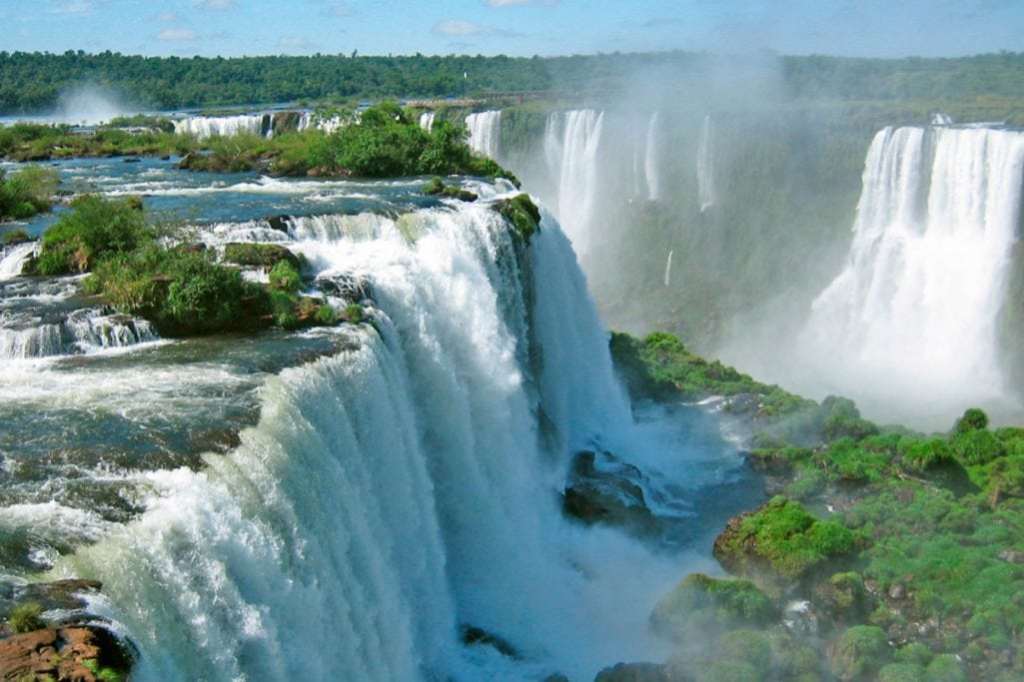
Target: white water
{"type": "Point", "coordinates": [706, 166]}
{"type": "Point", "coordinates": [427, 120]}
{"type": "Point", "coordinates": [82, 331]}
{"type": "Point", "coordinates": [572, 141]}
{"type": "Point", "coordinates": [401, 488]}
{"type": "Point", "coordinates": [941, 119]}
{"type": "Point", "coordinates": [914, 313]}
{"type": "Point", "coordinates": [668, 270]}
{"type": "Point", "coordinates": [203, 127]}
{"type": "Point", "coordinates": [485, 133]}
{"type": "Point", "coordinates": [652, 155]}
{"type": "Point", "coordinates": [12, 259]}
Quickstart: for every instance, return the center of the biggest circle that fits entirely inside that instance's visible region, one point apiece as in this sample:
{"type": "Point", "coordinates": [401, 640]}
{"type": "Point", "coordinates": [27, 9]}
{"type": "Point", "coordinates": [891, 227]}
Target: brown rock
{"type": "Point", "coordinates": [60, 653]}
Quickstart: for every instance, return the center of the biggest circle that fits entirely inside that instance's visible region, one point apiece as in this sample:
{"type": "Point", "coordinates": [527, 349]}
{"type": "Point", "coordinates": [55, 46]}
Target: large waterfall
{"type": "Point", "coordinates": [571, 143]}
{"type": "Point", "coordinates": [652, 158]}
{"type": "Point", "coordinates": [485, 132]}
{"type": "Point", "coordinates": [401, 488]}
{"type": "Point", "coordinates": [917, 306]}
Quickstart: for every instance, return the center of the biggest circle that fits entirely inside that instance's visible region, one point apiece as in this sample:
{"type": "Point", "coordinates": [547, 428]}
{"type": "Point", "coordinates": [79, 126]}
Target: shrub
{"type": "Point", "coordinates": [27, 192]}
{"type": "Point", "coordinates": [977, 446]}
{"type": "Point", "coordinates": [325, 315]}
{"type": "Point", "coordinates": [783, 535]}
{"type": "Point", "coordinates": [353, 313]}
{"type": "Point", "coordinates": [94, 227]}
{"type": "Point", "coordinates": [285, 277]}
{"type": "Point", "coordinates": [522, 213]}
{"type": "Point", "coordinates": [843, 420]}
{"type": "Point", "coordinates": [945, 668]}
{"type": "Point", "coordinates": [703, 605]}
{"type": "Point", "coordinates": [860, 651]}
{"type": "Point", "coordinates": [731, 671]}
{"type": "Point", "coordinates": [748, 646]}
{"type": "Point", "coordinates": [26, 618]}
{"type": "Point", "coordinates": [902, 672]}
{"type": "Point", "coordinates": [972, 420]}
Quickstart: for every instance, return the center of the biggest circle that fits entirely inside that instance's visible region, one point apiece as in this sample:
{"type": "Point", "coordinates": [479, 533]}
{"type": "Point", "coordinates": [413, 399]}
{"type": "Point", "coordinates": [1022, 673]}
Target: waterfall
{"type": "Point", "coordinates": [399, 488]}
{"type": "Point", "coordinates": [571, 143]}
{"type": "Point", "coordinates": [941, 119]}
{"type": "Point", "coordinates": [485, 133]}
{"type": "Point", "coordinates": [427, 120]}
{"type": "Point", "coordinates": [706, 166]}
{"type": "Point", "coordinates": [917, 305]}
{"type": "Point", "coordinates": [81, 331]}
{"type": "Point", "coordinates": [651, 159]}
{"type": "Point", "coordinates": [223, 126]}
{"type": "Point", "coordinates": [668, 270]}
{"type": "Point", "coordinates": [12, 259]}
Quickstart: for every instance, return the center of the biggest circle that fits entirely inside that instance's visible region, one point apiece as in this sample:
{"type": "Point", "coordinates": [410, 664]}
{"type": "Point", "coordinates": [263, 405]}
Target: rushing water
{"type": "Point", "coordinates": [917, 307]}
{"type": "Point", "coordinates": [336, 504]}
{"type": "Point", "coordinates": [485, 132]}
{"type": "Point", "coordinates": [572, 141]}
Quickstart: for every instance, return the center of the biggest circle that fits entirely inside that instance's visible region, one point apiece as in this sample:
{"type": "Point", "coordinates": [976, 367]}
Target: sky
{"type": "Point", "coordinates": [865, 28]}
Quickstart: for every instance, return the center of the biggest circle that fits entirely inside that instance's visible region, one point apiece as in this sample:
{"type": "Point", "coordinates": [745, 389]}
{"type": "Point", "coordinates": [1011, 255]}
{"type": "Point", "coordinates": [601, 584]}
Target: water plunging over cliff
{"type": "Point", "coordinates": [706, 166]}
{"type": "Point", "coordinates": [916, 309]}
{"type": "Point", "coordinates": [571, 143]}
{"type": "Point", "coordinates": [485, 132]}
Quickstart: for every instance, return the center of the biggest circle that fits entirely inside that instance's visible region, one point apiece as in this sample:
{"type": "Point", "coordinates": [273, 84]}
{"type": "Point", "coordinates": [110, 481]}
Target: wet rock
{"type": "Point", "coordinates": [68, 654]}
{"type": "Point", "coordinates": [1012, 556]}
{"type": "Point", "coordinates": [348, 287]}
{"type": "Point", "coordinates": [800, 618]}
{"type": "Point", "coordinates": [59, 594]}
{"type": "Point", "coordinates": [602, 489]}
{"type": "Point", "coordinates": [897, 592]}
{"type": "Point", "coordinates": [636, 672]}
{"type": "Point", "coordinates": [259, 255]}
{"type": "Point", "coordinates": [279, 223]}
{"type": "Point", "coordinates": [472, 635]}
{"type": "Point", "coordinates": [701, 606]}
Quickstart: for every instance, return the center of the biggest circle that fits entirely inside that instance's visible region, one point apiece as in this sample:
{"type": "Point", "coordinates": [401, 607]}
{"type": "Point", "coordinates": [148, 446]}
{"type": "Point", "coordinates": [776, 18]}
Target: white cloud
{"type": "Point", "coordinates": [73, 7]}
{"type": "Point", "coordinates": [176, 35]}
{"type": "Point", "coordinates": [167, 17]}
{"type": "Point", "coordinates": [458, 27]}
{"type": "Point", "coordinates": [214, 4]}
{"type": "Point", "coordinates": [515, 3]}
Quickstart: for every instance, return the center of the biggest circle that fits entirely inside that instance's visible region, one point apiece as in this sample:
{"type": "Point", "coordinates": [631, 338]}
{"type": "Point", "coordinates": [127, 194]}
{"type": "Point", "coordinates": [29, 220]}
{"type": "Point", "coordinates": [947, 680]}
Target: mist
{"type": "Point", "coordinates": [705, 198]}
{"type": "Point", "coordinates": [89, 104]}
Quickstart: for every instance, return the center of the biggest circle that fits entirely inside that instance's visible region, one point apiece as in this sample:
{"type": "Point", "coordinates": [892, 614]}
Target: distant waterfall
{"type": "Point", "coordinates": [485, 132]}
{"type": "Point", "coordinates": [398, 489]}
{"type": "Point", "coordinates": [427, 120]}
{"type": "Point", "coordinates": [706, 166]}
{"type": "Point", "coordinates": [652, 158]}
{"type": "Point", "coordinates": [571, 143]}
{"type": "Point", "coordinates": [668, 270]}
{"type": "Point", "coordinates": [203, 127]}
{"type": "Point", "coordinates": [918, 302]}
{"type": "Point", "coordinates": [941, 119]}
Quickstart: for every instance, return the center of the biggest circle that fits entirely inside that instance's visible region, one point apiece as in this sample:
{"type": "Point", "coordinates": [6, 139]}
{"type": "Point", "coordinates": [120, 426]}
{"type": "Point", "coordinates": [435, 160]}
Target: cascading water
{"type": "Point", "coordinates": [12, 259]}
{"type": "Point", "coordinates": [572, 141]}
{"type": "Point", "coordinates": [917, 306]}
{"type": "Point", "coordinates": [485, 132]}
{"type": "Point", "coordinates": [223, 126]}
{"type": "Point", "coordinates": [402, 487]}
{"type": "Point", "coordinates": [706, 166]}
{"type": "Point", "coordinates": [427, 120]}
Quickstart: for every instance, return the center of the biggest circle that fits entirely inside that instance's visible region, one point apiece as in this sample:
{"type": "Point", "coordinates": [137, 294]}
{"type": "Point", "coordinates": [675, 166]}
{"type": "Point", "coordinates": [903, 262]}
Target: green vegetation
{"type": "Point", "coordinates": [182, 290]}
{"type": "Point", "coordinates": [26, 618]}
{"type": "Point", "coordinates": [522, 213]}
{"type": "Point", "coordinates": [37, 142]}
{"type": "Point", "coordinates": [436, 187]}
{"type": "Point", "coordinates": [860, 651]}
{"type": "Point", "coordinates": [783, 539]}
{"type": "Point", "coordinates": [27, 192]}
{"type": "Point", "coordinates": [33, 81]}
{"type": "Point", "coordinates": [94, 228]}
{"type": "Point", "coordinates": [701, 605]}
{"type": "Point", "coordinates": [17, 236]}
{"type": "Point", "coordinates": [102, 674]}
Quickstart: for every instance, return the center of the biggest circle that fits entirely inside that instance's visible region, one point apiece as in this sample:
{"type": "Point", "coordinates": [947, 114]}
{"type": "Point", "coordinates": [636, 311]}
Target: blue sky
{"type": "Point", "coordinates": [515, 27]}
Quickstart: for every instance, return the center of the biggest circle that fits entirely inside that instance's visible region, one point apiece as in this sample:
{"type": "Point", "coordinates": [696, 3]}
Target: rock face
{"type": "Point", "coordinates": [69, 654]}
{"type": "Point", "coordinates": [602, 489]}
{"type": "Point", "coordinates": [637, 672]}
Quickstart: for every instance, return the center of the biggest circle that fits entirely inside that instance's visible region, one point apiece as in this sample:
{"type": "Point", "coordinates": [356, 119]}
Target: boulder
{"type": "Point", "coordinates": [259, 255]}
{"type": "Point", "coordinates": [701, 606]}
{"type": "Point", "coordinates": [67, 654]}
{"type": "Point", "coordinates": [602, 489]}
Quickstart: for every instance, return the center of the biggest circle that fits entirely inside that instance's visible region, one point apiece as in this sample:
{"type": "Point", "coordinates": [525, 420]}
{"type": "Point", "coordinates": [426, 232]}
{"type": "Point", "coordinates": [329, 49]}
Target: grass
{"type": "Point", "coordinates": [26, 617]}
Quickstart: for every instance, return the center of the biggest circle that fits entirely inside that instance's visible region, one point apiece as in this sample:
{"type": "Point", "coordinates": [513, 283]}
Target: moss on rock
{"type": "Point", "coordinates": [701, 604]}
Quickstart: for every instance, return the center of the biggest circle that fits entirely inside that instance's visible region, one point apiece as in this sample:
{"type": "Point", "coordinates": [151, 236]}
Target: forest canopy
{"type": "Point", "coordinates": [31, 82]}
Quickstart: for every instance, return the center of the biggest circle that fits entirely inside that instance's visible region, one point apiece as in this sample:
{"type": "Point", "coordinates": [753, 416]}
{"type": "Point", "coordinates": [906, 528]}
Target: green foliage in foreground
{"type": "Point", "coordinates": [182, 290]}
{"type": "Point", "coordinates": [27, 192]}
{"type": "Point", "coordinates": [37, 142]}
{"type": "Point", "coordinates": [700, 605]}
{"type": "Point", "coordinates": [94, 228]}
{"type": "Point", "coordinates": [26, 618]}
